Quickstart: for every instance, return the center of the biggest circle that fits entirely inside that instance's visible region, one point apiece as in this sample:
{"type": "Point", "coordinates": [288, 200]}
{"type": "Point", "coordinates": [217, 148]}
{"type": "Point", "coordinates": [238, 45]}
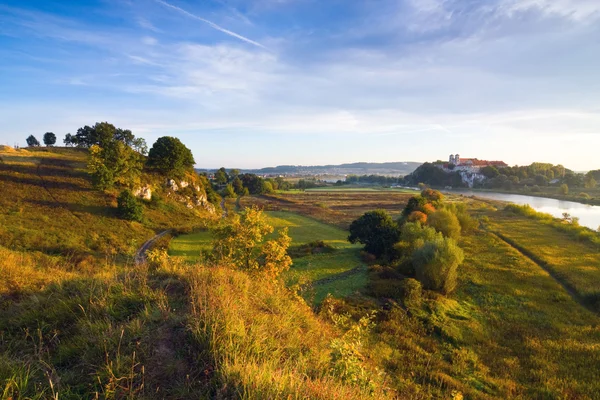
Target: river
{"type": "Point", "coordinates": [588, 215]}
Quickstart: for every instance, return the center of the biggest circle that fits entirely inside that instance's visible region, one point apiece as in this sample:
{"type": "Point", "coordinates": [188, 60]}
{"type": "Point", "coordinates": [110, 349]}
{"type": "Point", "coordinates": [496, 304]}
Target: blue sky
{"type": "Point", "coordinates": [266, 82]}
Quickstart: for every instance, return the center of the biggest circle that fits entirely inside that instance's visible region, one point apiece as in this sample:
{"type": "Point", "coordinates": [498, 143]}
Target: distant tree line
{"type": "Point", "coordinates": [532, 176]}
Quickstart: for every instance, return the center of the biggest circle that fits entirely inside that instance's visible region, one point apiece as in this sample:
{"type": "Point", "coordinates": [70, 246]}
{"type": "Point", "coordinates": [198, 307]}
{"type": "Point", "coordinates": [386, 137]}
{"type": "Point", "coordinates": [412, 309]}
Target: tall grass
{"type": "Point", "coordinates": [264, 342]}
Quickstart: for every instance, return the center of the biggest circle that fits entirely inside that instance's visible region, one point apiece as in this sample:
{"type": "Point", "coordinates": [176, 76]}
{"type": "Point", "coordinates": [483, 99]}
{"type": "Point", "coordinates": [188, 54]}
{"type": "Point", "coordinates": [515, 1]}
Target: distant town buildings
{"type": "Point", "coordinates": [470, 168]}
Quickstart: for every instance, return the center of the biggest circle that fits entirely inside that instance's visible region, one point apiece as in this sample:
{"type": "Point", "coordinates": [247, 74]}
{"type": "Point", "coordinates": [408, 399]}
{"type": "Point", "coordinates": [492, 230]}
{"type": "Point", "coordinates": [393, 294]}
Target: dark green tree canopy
{"type": "Point", "coordinates": [170, 156]}
{"type": "Point", "coordinates": [376, 230]}
{"type": "Point", "coordinates": [32, 141]}
{"type": "Point", "coordinates": [100, 134]}
{"type": "Point", "coordinates": [221, 177]}
{"type": "Point", "coordinates": [49, 138]}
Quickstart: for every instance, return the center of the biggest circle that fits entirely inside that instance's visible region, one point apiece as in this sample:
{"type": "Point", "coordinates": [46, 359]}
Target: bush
{"type": "Point", "coordinates": [445, 222]}
{"type": "Point", "coordinates": [436, 264]}
{"type": "Point", "coordinates": [564, 189]}
{"type": "Point", "coordinates": [584, 195]}
{"type": "Point", "coordinates": [128, 206]}
{"type": "Point", "coordinates": [410, 292]}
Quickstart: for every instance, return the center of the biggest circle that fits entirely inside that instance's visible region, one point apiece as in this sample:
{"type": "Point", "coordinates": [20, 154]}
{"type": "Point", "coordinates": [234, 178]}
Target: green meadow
{"type": "Point", "coordinates": [306, 269]}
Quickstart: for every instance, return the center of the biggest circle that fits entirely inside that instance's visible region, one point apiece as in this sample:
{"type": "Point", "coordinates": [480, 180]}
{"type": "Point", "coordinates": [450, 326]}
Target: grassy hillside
{"type": "Point", "coordinates": [49, 205]}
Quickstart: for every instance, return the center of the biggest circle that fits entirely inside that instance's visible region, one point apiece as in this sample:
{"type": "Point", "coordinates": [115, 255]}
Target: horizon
{"type": "Point", "coordinates": [296, 82]}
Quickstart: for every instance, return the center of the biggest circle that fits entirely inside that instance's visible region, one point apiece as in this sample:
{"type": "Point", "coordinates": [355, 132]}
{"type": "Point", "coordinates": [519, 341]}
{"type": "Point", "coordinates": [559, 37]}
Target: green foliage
{"type": "Point", "coordinates": [32, 141]}
{"type": "Point", "coordinates": [49, 139]}
{"type": "Point", "coordinates": [564, 189]}
{"type": "Point", "coordinates": [446, 222]}
{"type": "Point", "coordinates": [129, 207]}
{"type": "Point", "coordinates": [347, 360]}
{"type": "Point", "coordinates": [413, 235]}
{"type": "Point", "coordinates": [376, 230]}
{"type": "Point", "coordinates": [169, 156]}
{"type": "Point", "coordinates": [436, 264]}
{"type": "Point", "coordinates": [239, 241]}
{"type": "Point", "coordinates": [411, 292]}
{"type": "Point", "coordinates": [221, 177]}
{"type": "Point", "coordinates": [115, 164]}
{"type": "Point", "coordinates": [229, 191]}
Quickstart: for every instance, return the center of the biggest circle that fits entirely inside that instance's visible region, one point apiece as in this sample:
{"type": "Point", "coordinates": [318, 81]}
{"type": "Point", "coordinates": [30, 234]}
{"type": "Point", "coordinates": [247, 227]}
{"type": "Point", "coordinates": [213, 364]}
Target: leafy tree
{"type": "Point", "coordinates": [229, 191]}
{"type": "Point", "coordinates": [100, 134]}
{"type": "Point", "coordinates": [239, 241]}
{"type": "Point", "coordinates": [436, 264]}
{"type": "Point", "coordinates": [253, 183]}
{"type": "Point", "coordinates": [49, 139]}
{"type": "Point", "coordinates": [69, 140]}
{"type": "Point", "coordinates": [221, 177]}
{"type": "Point", "coordinates": [234, 173]}
{"type": "Point", "coordinates": [238, 186]}
{"type": "Point", "coordinates": [114, 164]}
{"type": "Point", "coordinates": [415, 203]}
{"type": "Point", "coordinates": [433, 196]}
{"type": "Point", "coordinates": [589, 181]}
{"type": "Point", "coordinates": [128, 207]}
{"type": "Point", "coordinates": [564, 189]}
{"type": "Point", "coordinates": [445, 222]}
{"type": "Point", "coordinates": [170, 156]}
{"type": "Point", "coordinates": [490, 171]}
{"type": "Point", "coordinates": [541, 180]}
{"type": "Point", "coordinates": [376, 230]}
{"type": "Point", "coordinates": [267, 187]}
{"type": "Point", "coordinates": [32, 141]}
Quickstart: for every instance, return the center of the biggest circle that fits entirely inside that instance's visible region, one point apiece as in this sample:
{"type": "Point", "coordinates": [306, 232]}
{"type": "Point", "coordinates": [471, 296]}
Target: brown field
{"type": "Point", "coordinates": [336, 208]}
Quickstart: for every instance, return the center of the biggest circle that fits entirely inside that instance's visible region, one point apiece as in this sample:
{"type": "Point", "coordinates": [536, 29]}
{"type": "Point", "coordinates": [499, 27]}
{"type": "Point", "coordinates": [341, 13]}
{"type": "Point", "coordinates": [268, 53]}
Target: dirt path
{"type": "Point", "coordinates": [140, 255]}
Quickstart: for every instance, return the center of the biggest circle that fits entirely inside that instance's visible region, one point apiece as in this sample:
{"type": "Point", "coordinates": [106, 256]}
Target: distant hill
{"type": "Point", "coordinates": [358, 168]}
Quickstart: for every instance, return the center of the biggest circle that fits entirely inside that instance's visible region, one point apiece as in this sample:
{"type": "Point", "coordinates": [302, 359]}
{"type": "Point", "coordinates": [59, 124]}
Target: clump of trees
{"type": "Point", "coordinates": [421, 244]}
{"type": "Point", "coordinates": [113, 160]}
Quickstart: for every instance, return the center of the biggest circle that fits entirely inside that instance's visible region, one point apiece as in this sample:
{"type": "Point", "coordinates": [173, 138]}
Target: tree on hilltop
{"type": "Point", "coordinates": [49, 139]}
{"type": "Point", "coordinates": [102, 133]}
{"type": "Point", "coordinates": [32, 141]}
{"type": "Point", "coordinates": [170, 156]}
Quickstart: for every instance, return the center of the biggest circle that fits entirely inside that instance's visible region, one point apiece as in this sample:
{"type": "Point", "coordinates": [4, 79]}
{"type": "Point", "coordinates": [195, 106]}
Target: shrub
{"type": "Point", "coordinates": [432, 195]}
{"type": "Point", "coordinates": [128, 206]}
{"type": "Point", "coordinates": [412, 236]}
{"type": "Point", "coordinates": [536, 189]}
{"type": "Point", "coordinates": [410, 292]}
{"type": "Point", "coordinates": [564, 189]}
{"type": "Point", "coordinates": [436, 264]}
{"type": "Point", "coordinates": [584, 195]}
{"type": "Point", "coordinates": [445, 222]}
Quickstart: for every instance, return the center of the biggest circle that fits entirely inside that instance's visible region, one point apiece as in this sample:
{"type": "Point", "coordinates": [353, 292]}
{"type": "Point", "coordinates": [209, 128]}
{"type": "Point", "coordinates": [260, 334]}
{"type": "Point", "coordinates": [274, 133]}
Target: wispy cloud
{"type": "Point", "coordinates": [210, 23]}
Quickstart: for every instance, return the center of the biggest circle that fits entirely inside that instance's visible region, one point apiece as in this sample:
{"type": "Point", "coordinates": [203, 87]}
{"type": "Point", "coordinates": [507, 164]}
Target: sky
{"type": "Point", "coordinates": [256, 83]}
